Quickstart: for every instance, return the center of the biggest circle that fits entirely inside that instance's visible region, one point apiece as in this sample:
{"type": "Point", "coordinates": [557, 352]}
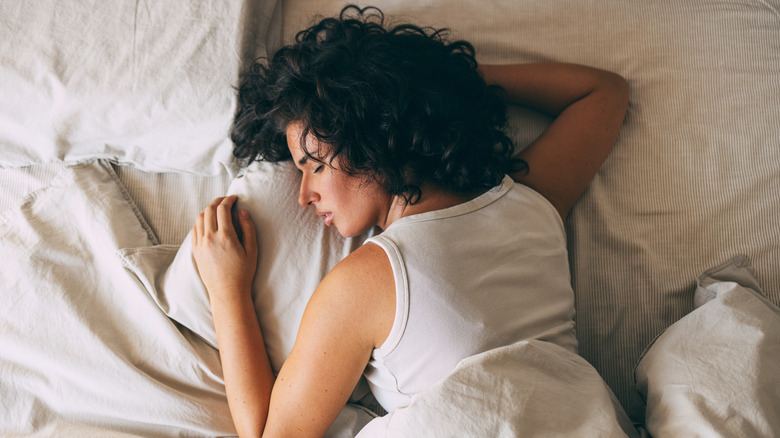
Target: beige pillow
{"type": "Point", "coordinates": [296, 250]}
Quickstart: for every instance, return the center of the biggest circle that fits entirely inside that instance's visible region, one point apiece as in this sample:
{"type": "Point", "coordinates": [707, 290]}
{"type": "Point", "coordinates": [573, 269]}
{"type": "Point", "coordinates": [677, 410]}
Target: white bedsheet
{"type": "Point", "coordinates": [87, 351]}
{"type": "Point", "coordinates": [528, 389]}
{"type": "Point", "coordinates": [142, 82]}
{"type": "Point", "coordinates": [715, 371]}
{"type": "Point", "coordinates": [84, 349]}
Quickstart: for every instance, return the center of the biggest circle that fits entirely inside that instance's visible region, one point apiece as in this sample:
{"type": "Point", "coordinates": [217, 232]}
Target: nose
{"type": "Point", "coordinates": [307, 195]}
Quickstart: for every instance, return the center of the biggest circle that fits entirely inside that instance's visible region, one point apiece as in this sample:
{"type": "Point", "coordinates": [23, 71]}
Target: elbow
{"type": "Point", "coordinates": [250, 424]}
{"type": "Point", "coordinates": [249, 430]}
{"type": "Point", "coordinates": [619, 89]}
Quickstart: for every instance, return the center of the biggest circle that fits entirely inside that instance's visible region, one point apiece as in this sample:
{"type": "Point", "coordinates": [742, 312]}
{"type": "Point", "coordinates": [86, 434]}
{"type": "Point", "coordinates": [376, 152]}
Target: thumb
{"type": "Point", "coordinates": [248, 230]}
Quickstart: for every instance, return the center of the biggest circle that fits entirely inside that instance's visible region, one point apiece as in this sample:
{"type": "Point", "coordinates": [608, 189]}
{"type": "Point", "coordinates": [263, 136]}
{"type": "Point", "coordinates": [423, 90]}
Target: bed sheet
{"type": "Point", "coordinates": [86, 351]}
{"type": "Point", "coordinates": [714, 372]}
{"type": "Point", "coordinates": [529, 389]}
{"type": "Point", "coordinates": [140, 82]}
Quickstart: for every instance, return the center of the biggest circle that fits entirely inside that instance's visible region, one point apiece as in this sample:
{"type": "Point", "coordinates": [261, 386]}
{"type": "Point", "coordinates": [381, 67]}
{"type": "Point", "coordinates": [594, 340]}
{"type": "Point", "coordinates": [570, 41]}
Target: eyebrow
{"type": "Point", "coordinates": [303, 160]}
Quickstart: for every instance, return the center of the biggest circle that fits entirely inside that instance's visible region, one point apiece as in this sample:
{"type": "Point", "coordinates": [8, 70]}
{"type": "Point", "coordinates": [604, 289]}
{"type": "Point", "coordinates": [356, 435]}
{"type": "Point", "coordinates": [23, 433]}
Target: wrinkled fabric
{"type": "Point", "coordinates": [714, 372]}
{"type": "Point", "coordinates": [528, 389]}
{"type": "Point", "coordinates": [84, 347]}
{"type": "Point", "coordinates": [141, 82]}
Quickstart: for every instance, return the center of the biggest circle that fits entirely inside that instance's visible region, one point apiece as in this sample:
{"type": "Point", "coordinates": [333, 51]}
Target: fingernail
{"type": "Point", "coordinates": [244, 213]}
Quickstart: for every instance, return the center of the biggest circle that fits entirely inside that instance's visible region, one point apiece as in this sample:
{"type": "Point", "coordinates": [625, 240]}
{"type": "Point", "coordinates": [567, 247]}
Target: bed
{"type": "Point", "coordinates": [114, 125]}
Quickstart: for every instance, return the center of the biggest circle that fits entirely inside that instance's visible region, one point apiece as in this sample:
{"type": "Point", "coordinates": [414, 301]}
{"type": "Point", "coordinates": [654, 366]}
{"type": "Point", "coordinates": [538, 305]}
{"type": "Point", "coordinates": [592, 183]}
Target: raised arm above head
{"type": "Point", "coordinates": [588, 106]}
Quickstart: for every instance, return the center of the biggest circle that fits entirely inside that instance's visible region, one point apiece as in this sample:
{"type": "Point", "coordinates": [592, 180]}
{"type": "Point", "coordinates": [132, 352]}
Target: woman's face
{"type": "Point", "coordinates": [351, 203]}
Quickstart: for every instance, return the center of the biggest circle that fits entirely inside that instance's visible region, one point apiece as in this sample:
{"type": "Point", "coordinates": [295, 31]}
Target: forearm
{"type": "Point", "coordinates": [549, 87]}
{"type": "Point", "coordinates": [245, 364]}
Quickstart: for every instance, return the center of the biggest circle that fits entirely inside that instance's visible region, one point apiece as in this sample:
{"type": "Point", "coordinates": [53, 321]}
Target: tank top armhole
{"type": "Point", "coordinates": [401, 293]}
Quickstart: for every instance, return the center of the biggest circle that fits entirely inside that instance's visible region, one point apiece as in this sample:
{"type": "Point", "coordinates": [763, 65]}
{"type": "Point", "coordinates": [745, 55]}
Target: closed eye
{"type": "Point", "coordinates": [318, 168]}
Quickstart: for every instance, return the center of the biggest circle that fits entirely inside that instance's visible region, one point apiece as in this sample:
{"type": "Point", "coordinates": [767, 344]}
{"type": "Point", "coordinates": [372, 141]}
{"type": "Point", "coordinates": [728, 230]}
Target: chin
{"type": "Point", "coordinates": [349, 231]}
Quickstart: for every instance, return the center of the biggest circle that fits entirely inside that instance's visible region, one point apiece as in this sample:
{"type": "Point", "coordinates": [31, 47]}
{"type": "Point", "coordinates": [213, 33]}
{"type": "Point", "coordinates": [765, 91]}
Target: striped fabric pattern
{"type": "Point", "coordinates": [171, 201]}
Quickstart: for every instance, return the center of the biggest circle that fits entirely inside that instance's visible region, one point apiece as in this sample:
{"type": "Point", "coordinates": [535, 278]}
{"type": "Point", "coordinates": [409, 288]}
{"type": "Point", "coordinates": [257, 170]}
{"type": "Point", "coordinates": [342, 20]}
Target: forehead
{"type": "Point", "coordinates": [299, 147]}
{"type": "Point", "coordinates": [293, 132]}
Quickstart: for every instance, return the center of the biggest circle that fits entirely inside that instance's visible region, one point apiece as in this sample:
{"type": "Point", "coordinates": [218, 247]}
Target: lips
{"type": "Point", "coordinates": [327, 217]}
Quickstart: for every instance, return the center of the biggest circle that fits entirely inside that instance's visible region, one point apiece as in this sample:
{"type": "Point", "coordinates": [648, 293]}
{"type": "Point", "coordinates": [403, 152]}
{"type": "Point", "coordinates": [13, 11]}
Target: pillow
{"type": "Point", "coordinates": [296, 250]}
{"type": "Point", "coordinates": [714, 372]}
{"type": "Point", "coordinates": [118, 81]}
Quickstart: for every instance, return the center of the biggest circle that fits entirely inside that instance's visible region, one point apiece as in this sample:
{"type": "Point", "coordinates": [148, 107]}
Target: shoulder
{"type": "Point", "coordinates": [347, 317]}
{"type": "Point", "coordinates": [362, 288]}
{"type": "Point", "coordinates": [361, 271]}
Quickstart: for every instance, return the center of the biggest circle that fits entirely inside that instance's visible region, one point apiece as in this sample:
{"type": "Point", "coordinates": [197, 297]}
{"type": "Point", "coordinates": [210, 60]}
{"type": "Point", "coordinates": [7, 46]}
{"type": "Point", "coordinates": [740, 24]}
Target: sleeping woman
{"type": "Point", "coordinates": [399, 128]}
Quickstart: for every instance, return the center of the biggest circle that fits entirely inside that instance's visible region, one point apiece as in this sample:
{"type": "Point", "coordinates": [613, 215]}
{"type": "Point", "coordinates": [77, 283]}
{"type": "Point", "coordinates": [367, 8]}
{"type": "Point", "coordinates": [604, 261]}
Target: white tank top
{"type": "Point", "coordinates": [486, 273]}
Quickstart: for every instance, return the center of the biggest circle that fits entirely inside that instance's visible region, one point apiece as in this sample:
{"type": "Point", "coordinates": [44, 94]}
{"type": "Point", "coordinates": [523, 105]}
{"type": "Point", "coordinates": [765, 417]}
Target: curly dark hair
{"type": "Point", "coordinates": [401, 105]}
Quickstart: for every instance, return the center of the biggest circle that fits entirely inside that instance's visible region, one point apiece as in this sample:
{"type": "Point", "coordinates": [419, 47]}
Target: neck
{"type": "Point", "coordinates": [432, 198]}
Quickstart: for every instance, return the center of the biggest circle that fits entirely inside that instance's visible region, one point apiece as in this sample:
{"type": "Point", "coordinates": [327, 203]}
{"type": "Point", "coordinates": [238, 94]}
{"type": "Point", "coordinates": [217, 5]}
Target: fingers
{"type": "Point", "coordinates": [248, 229]}
{"type": "Point", "coordinates": [216, 217]}
{"type": "Point", "coordinates": [209, 215]}
{"type": "Point", "coordinates": [197, 230]}
{"type": "Point", "coordinates": [224, 219]}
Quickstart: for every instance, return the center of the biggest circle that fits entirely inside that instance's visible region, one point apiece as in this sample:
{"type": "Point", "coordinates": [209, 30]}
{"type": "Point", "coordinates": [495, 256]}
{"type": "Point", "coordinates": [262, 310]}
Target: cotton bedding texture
{"type": "Point", "coordinates": [114, 134]}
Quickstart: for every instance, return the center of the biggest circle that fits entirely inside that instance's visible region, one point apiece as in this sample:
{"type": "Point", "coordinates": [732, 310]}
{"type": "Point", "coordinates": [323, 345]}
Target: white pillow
{"type": "Point", "coordinates": [715, 371]}
{"type": "Point", "coordinates": [121, 80]}
{"type": "Point", "coordinates": [296, 250]}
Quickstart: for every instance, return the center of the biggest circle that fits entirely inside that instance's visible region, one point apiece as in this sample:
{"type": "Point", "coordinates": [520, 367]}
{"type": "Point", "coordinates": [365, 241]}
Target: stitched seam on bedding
{"type": "Point", "coordinates": [126, 195]}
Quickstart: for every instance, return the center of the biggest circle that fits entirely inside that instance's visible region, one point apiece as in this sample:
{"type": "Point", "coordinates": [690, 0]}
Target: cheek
{"type": "Point", "coordinates": [360, 200]}
{"type": "Point", "coordinates": [342, 187]}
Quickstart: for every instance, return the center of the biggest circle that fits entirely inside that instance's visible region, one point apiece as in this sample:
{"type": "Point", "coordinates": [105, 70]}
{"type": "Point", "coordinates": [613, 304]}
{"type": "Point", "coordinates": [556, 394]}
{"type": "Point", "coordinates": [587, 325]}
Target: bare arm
{"type": "Point", "coordinates": [227, 268]}
{"type": "Point", "coordinates": [588, 106]}
{"type": "Point", "coordinates": [349, 315]}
